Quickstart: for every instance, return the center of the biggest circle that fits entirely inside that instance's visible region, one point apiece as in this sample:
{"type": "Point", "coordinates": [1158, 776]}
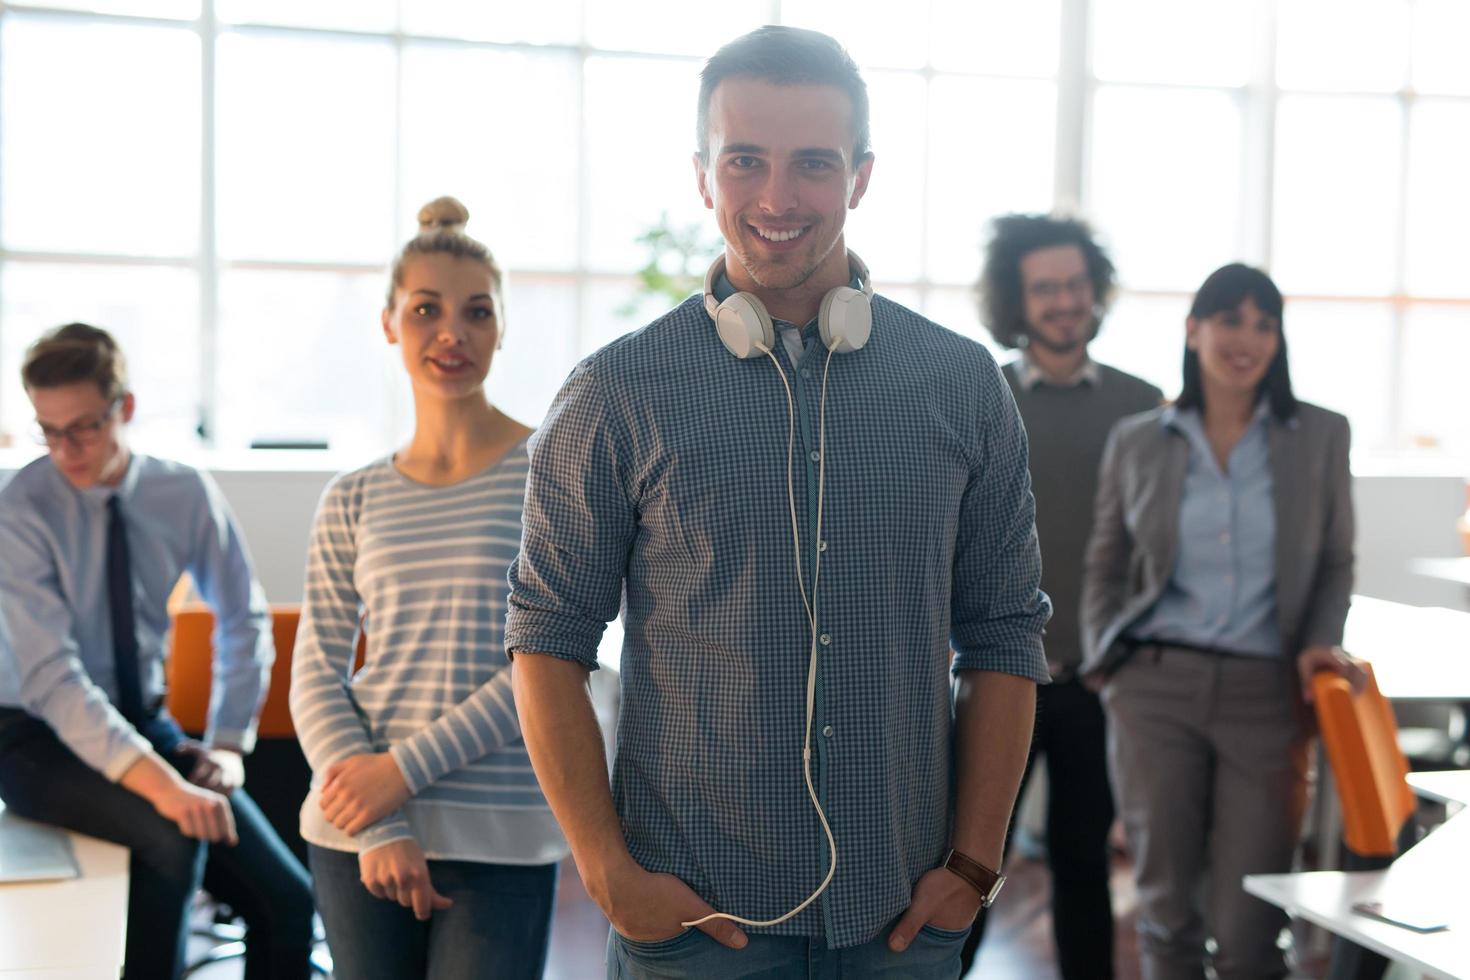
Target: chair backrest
{"type": "Point", "coordinates": [190, 669]}
{"type": "Point", "coordinates": [188, 666]}
{"type": "Point", "coordinates": [1361, 739]}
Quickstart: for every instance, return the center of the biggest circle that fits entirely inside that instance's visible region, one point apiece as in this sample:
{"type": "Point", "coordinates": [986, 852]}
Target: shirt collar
{"type": "Point", "coordinates": [1181, 419]}
{"type": "Point", "coordinates": [99, 494]}
{"type": "Point", "coordinates": [723, 288]}
{"type": "Point", "coordinates": [1031, 375]}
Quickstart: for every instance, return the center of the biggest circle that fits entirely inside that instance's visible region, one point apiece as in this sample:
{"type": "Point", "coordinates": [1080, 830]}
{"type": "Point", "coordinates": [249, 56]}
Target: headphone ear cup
{"type": "Point", "coordinates": [845, 319]}
{"type": "Point", "coordinates": [744, 326]}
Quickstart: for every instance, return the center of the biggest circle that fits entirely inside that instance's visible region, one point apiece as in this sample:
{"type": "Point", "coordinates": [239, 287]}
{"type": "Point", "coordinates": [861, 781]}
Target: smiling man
{"type": "Point", "coordinates": [94, 536]}
{"type": "Point", "coordinates": [804, 496]}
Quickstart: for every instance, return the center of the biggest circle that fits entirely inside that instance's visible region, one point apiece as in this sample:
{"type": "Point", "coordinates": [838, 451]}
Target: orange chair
{"type": "Point", "coordinates": [276, 773]}
{"type": "Point", "coordinates": [190, 669]}
{"type": "Point", "coordinates": [1361, 739]}
{"type": "Point", "coordinates": [1368, 767]}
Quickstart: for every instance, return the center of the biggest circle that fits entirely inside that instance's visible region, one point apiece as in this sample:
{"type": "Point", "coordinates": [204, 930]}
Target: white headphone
{"type": "Point", "coordinates": [844, 320]}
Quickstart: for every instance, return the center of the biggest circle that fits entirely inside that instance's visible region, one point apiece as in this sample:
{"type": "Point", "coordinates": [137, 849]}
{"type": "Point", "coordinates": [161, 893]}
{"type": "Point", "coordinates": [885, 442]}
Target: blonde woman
{"type": "Point", "coordinates": [432, 849]}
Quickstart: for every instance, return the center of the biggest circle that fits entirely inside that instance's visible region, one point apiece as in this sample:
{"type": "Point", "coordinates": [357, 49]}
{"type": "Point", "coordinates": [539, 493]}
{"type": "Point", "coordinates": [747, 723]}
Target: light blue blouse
{"type": "Point", "coordinates": [1222, 592]}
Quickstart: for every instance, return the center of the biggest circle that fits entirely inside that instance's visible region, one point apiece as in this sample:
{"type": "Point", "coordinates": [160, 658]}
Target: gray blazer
{"type": "Point", "coordinates": [1135, 530]}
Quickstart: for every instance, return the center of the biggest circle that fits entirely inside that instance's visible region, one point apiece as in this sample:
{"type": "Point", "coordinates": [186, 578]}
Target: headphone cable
{"type": "Point", "coordinates": [811, 612]}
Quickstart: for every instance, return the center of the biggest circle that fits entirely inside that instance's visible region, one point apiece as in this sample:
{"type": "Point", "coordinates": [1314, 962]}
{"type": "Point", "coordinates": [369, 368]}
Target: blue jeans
{"type": "Point", "coordinates": [498, 927]}
{"type": "Point", "coordinates": [258, 878]}
{"type": "Point", "coordinates": [933, 955]}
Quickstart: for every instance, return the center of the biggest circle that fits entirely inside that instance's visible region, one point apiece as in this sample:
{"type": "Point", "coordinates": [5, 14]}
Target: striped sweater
{"type": "Point", "coordinates": [427, 566]}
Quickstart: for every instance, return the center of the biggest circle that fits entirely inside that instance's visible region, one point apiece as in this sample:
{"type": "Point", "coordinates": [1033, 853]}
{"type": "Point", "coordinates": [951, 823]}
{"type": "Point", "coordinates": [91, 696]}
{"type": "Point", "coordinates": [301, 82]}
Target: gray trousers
{"type": "Point", "coordinates": [1208, 756]}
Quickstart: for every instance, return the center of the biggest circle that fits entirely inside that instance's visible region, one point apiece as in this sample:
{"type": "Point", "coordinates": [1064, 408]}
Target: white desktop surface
{"type": "Point", "coordinates": [1446, 569]}
{"type": "Point", "coordinates": [1449, 786]}
{"type": "Point", "coordinates": [68, 930]}
{"type": "Point", "coordinates": [1418, 653]}
{"type": "Point", "coordinates": [1428, 875]}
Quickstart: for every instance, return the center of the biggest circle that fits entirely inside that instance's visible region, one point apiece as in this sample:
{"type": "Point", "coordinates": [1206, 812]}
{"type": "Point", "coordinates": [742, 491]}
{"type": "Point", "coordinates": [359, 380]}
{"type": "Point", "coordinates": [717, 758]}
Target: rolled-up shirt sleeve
{"type": "Point", "coordinates": [999, 611]}
{"type": "Point", "coordinates": [36, 627]}
{"type": "Point", "coordinates": [243, 647]}
{"type": "Point", "coordinates": [578, 527]}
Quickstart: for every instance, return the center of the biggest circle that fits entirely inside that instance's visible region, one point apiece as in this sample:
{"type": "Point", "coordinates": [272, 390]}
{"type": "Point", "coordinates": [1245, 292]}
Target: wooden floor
{"type": "Point", "coordinates": [1017, 945]}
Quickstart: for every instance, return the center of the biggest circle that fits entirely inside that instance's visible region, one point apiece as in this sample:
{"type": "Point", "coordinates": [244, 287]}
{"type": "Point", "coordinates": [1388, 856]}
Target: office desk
{"type": "Point", "coordinates": [1427, 876]}
{"type": "Point", "coordinates": [68, 930]}
{"type": "Point", "coordinates": [1446, 569]}
{"type": "Point", "coordinates": [1418, 653]}
{"type": "Point", "coordinates": [1451, 786]}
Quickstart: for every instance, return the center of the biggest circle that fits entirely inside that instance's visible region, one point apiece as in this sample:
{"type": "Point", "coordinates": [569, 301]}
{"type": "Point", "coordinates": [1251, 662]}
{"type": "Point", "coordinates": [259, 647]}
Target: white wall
{"type": "Point", "coordinates": [274, 509]}
{"type": "Point", "coordinates": [1399, 518]}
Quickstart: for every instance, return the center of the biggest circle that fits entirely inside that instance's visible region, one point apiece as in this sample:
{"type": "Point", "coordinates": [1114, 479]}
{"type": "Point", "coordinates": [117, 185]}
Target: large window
{"type": "Point", "coordinates": [221, 182]}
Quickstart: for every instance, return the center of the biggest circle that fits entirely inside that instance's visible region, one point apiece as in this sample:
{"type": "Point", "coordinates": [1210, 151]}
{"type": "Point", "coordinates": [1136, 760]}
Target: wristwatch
{"type": "Point", "coordinates": [988, 883]}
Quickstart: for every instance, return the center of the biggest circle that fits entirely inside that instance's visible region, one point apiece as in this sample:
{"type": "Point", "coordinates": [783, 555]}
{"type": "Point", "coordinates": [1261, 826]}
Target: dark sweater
{"type": "Point", "coordinates": [1066, 428]}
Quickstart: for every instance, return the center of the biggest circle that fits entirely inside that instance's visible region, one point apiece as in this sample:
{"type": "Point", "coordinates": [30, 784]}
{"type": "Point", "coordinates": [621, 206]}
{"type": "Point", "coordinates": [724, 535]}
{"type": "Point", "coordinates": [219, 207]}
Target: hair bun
{"type": "Point", "coordinates": [443, 213]}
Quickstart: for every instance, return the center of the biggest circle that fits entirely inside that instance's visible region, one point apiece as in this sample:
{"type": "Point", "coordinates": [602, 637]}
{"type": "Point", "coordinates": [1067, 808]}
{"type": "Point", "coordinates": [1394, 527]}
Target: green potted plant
{"type": "Point", "coordinates": [677, 259]}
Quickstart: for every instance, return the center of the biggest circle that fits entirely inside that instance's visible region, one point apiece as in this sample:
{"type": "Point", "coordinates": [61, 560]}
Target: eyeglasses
{"type": "Point", "coordinates": [1051, 289]}
{"type": "Point", "coordinates": [79, 434]}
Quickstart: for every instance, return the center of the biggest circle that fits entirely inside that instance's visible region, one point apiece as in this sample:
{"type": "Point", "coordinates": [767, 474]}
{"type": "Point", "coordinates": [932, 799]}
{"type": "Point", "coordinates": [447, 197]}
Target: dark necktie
{"type": "Point", "coordinates": [120, 605]}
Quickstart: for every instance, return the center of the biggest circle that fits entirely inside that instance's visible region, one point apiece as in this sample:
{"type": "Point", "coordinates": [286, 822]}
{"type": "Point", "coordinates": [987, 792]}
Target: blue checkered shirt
{"type": "Point", "coordinates": [658, 482]}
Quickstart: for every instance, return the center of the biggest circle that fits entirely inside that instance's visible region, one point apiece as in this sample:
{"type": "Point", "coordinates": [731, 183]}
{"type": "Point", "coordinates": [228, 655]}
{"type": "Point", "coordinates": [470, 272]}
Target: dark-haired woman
{"type": "Point", "coordinates": [1217, 582]}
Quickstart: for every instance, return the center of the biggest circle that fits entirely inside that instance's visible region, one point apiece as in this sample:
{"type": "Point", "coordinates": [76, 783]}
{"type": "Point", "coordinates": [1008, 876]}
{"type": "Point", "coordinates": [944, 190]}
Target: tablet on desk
{"type": "Point", "coordinates": [1413, 918]}
{"type": "Point", "coordinates": [33, 851]}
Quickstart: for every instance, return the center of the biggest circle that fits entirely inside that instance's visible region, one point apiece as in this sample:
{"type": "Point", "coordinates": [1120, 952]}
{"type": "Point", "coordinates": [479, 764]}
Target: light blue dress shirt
{"type": "Point", "coordinates": [1222, 593]}
{"type": "Point", "coordinates": [56, 654]}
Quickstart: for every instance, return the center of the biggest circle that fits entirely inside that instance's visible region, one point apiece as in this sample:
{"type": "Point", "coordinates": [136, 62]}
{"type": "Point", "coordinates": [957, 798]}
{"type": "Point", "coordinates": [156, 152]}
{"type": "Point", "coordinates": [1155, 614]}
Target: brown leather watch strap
{"type": "Point", "coordinates": [984, 880]}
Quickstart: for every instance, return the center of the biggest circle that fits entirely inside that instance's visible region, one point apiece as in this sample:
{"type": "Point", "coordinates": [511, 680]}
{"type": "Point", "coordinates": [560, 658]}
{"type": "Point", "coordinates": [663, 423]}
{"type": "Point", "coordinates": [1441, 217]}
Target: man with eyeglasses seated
{"type": "Point", "coordinates": [93, 539]}
{"type": "Point", "coordinates": [1044, 289]}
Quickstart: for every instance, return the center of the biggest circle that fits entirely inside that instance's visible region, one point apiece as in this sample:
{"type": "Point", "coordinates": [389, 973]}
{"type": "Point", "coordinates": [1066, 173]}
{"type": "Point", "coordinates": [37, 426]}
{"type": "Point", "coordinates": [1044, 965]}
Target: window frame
{"type": "Point", "coordinates": [1076, 85]}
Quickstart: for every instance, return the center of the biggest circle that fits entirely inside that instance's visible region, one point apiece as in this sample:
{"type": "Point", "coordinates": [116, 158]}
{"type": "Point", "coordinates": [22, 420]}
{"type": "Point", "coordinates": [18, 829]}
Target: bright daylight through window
{"type": "Point", "coordinates": [221, 182]}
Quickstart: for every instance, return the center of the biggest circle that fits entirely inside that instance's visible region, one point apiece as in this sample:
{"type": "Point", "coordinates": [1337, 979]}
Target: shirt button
{"type": "Point", "coordinates": [828, 731]}
{"type": "Point", "coordinates": [825, 639]}
{"type": "Point", "coordinates": [821, 546]}
{"type": "Point", "coordinates": [815, 456]}
{"type": "Point", "coordinates": [805, 373]}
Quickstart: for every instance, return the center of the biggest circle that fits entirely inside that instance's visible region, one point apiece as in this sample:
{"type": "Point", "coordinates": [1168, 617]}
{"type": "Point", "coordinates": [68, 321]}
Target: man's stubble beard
{"type": "Point", "coordinates": [1035, 337]}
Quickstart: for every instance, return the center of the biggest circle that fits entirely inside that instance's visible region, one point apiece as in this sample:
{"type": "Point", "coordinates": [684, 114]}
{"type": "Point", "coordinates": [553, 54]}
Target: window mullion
{"type": "Point", "coordinates": [1259, 145]}
{"type": "Point", "coordinates": [1397, 388]}
{"type": "Point", "coordinates": [208, 261]}
{"type": "Point", "coordinates": [582, 328]}
{"type": "Point", "coordinates": [3, 381]}
{"type": "Point", "coordinates": [1073, 111]}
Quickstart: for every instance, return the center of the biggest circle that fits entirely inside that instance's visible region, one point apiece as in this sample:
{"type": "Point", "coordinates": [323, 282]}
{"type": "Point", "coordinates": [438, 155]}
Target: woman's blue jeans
{"type": "Point", "coordinates": [498, 927]}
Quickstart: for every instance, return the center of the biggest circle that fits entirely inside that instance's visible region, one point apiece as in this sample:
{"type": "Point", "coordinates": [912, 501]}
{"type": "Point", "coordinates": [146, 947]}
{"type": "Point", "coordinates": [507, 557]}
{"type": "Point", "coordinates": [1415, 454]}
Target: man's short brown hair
{"type": "Point", "coordinates": [785, 56]}
{"type": "Point", "coordinates": [73, 353]}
